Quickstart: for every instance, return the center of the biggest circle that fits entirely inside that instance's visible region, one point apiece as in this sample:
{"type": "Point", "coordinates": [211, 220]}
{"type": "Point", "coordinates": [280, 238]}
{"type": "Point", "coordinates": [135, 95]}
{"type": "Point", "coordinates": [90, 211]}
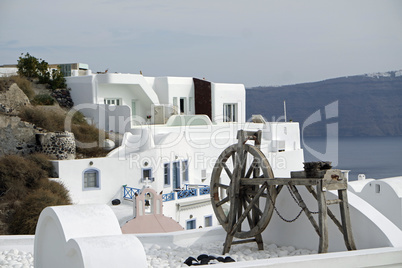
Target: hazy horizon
{"type": "Point", "coordinates": [258, 43]}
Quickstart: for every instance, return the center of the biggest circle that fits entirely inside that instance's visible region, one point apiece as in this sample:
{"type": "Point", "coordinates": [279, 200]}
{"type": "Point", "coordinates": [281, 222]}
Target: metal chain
{"type": "Point", "coordinates": [277, 212]}
{"type": "Point", "coordinates": [297, 202]}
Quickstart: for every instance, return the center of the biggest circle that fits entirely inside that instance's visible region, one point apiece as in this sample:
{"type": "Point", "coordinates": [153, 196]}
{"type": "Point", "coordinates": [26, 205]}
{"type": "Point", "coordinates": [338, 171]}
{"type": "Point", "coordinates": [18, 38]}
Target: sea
{"type": "Point", "coordinates": [375, 157]}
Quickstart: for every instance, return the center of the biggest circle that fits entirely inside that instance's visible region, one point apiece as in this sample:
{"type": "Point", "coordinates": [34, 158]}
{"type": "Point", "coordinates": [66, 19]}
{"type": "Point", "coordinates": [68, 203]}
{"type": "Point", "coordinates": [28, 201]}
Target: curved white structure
{"type": "Point", "coordinates": [83, 236]}
{"type": "Point", "coordinates": [385, 195]}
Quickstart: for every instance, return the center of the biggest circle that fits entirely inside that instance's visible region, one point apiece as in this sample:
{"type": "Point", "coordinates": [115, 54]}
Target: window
{"type": "Point", "coordinates": [230, 112]}
{"type": "Point", "coordinates": [176, 175]}
{"type": "Point", "coordinates": [182, 105]}
{"type": "Point", "coordinates": [207, 221]}
{"type": "Point", "coordinates": [91, 179]}
{"type": "Point", "coordinates": [147, 175]}
{"type": "Point", "coordinates": [184, 170]}
{"type": "Point", "coordinates": [377, 188]}
{"type": "Point", "coordinates": [113, 101]}
{"type": "Point", "coordinates": [133, 108]}
{"type": "Point", "coordinates": [190, 224]}
{"type": "Point", "coordinates": [166, 173]}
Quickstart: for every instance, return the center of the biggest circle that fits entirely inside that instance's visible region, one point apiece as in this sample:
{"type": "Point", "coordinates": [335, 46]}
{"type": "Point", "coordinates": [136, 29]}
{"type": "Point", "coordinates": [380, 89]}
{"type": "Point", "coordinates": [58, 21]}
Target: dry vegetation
{"type": "Point", "coordinates": [23, 83]}
{"type": "Point", "coordinates": [54, 121]}
{"type": "Point", "coordinates": [25, 191]}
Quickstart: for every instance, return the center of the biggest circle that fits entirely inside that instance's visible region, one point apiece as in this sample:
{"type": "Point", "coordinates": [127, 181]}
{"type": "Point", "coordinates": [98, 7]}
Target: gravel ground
{"type": "Point", "coordinates": [175, 256]}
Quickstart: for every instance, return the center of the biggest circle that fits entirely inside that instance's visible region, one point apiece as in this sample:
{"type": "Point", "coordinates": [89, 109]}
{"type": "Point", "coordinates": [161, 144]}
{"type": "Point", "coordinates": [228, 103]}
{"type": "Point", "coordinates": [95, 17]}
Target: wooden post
{"type": "Point", "coordinates": [322, 218]}
{"type": "Point", "coordinates": [346, 224]}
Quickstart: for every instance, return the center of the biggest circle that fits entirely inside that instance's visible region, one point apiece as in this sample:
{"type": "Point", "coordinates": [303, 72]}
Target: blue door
{"type": "Point", "coordinates": [176, 175]}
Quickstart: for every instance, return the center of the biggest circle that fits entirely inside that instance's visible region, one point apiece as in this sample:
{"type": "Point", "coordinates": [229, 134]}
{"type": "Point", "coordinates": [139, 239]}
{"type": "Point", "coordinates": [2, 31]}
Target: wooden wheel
{"type": "Point", "coordinates": [233, 202]}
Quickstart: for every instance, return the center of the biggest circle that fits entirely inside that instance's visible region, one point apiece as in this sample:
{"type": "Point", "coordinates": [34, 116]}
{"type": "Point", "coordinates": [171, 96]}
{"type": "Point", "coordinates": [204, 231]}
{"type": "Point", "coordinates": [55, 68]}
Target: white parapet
{"type": "Point", "coordinates": [84, 236]}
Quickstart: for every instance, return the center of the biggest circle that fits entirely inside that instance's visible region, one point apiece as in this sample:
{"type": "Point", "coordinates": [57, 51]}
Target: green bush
{"type": "Point", "coordinates": [43, 72]}
{"type": "Point", "coordinates": [43, 99]}
{"type": "Point", "coordinates": [78, 118]}
{"type": "Point", "coordinates": [58, 80]}
{"type": "Point", "coordinates": [28, 66]}
{"type": "Point", "coordinates": [32, 67]}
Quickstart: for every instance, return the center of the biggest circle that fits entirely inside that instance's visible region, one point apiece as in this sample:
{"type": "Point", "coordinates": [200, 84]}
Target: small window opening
{"type": "Point", "coordinates": [190, 224]}
{"type": "Point", "coordinates": [208, 221]}
{"type": "Point", "coordinates": [377, 188]}
{"type": "Point", "coordinates": [185, 170]}
{"type": "Point", "coordinates": [182, 106]}
{"type": "Point", "coordinates": [148, 203]}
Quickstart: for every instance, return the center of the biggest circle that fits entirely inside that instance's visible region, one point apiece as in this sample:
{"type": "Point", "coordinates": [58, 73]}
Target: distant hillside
{"type": "Point", "coordinates": [369, 105]}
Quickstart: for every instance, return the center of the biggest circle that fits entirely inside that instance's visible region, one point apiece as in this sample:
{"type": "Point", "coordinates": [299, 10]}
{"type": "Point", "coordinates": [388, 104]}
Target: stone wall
{"type": "Point", "coordinates": [23, 138]}
{"type": "Point", "coordinates": [57, 145]}
{"type": "Point", "coordinates": [63, 97]}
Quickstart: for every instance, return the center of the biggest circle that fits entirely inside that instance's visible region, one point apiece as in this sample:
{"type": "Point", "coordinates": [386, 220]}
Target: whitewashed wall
{"type": "Point", "coordinates": [381, 193]}
{"type": "Point", "coordinates": [228, 93]}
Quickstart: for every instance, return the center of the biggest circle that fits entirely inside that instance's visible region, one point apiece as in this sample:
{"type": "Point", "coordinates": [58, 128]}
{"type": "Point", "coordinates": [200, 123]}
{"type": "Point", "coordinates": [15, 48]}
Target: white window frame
{"type": "Point", "coordinates": [230, 112]}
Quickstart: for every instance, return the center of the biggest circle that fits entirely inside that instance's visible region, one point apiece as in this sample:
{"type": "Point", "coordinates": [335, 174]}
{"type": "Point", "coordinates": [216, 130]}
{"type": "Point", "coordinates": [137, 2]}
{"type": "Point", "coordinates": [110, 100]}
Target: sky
{"type": "Point", "coordinates": [256, 43]}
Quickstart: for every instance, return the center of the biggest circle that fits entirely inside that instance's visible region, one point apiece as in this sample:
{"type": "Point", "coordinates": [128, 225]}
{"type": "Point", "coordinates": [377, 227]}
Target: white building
{"type": "Point", "coordinates": [174, 130]}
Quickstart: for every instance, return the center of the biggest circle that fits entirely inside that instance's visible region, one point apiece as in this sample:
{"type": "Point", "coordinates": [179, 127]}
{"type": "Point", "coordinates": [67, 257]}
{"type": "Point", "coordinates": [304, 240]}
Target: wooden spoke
{"type": "Point", "coordinates": [250, 170]}
{"type": "Point", "coordinates": [224, 186]}
{"type": "Point", "coordinates": [228, 171]}
{"type": "Point", "coordinates": [249, 219]}
{"type": "Point", "coordinates": [243, 170]}
{"type": "Point", "coordinates": [257, 209]}
{"type": "Point", "coordinates": [223, 201]}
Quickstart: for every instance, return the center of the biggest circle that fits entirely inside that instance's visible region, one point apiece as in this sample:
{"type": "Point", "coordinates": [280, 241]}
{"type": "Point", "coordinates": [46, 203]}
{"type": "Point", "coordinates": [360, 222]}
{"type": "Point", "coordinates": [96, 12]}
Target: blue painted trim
{"type": "Point", "coordinates": [98, 179]}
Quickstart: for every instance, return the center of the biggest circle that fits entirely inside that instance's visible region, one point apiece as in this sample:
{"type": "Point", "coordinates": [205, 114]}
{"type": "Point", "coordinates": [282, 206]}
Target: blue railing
{"type": "Point", "coordinates": [186, 193]}
{"type": "Point", "coordinates": [204, 190]}
{"type": "Point", "coordinates": [167, 197]}
{"type": "Point", "coordinates": [129, 192]}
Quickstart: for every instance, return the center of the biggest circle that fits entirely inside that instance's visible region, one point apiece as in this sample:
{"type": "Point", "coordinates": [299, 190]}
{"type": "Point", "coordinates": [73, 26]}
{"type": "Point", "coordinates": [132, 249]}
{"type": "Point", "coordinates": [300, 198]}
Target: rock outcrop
{"type": "Point", "coordinates": [23, 138]}
{"type": "Point", "coordinates": [16, 136]}
{"type": "Point", "coordinates": [13, 99]}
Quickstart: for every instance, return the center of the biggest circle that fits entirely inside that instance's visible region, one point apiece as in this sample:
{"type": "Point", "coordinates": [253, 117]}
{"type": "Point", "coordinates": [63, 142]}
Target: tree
{"type": "Point", "coordinates": [27, 66]}
{"type": "Point", "coordinates": [32, 67]}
